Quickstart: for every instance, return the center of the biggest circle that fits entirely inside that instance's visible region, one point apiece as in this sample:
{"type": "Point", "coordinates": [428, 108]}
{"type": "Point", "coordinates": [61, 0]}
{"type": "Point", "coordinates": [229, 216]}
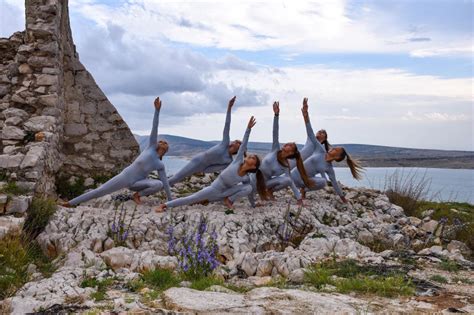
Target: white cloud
{"type": "Point", "coordinates": [453, 51]}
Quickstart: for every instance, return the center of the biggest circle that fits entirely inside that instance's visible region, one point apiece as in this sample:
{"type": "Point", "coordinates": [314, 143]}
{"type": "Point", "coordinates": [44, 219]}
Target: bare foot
{"type": "Point", "coordinates": [259, 204]}
{"type": "Point", "coordinates": [161, 208]}
{"type": "Point", "coordinates": [270, 194]}
{"type": "Point", "coordinates": [136, 198]}
{"type": "Point", "coordinates": [66, 204]}
{"type": "Point", "coordinates": [300, 203]}
{"type": "Point", "coordinates": [228, 203]}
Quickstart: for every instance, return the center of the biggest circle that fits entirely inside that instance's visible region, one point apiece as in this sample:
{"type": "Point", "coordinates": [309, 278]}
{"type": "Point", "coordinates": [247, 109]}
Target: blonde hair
{"type": "Point", "coordinates": [354, 165]}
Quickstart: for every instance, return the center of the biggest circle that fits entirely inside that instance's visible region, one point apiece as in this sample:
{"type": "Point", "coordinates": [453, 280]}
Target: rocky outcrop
{"type": "Point", "coordinates": [53, 116]}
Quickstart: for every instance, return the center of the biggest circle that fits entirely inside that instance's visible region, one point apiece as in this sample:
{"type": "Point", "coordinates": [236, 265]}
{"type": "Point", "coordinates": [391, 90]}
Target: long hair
{"type": "Point", "coordinates": [261, 186]}
{"type": "Point", "coordinates": [299, 165]}
{"type": "Point", "coordinates": [354, 165]}
{"type": "Point", "coordinates": [326, 143]}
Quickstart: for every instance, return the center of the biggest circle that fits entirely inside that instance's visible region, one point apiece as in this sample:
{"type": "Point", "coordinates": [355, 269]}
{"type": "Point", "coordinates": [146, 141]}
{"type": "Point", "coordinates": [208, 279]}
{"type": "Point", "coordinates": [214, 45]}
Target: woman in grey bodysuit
{"type": "Point", "coordinates": [232, 183]}
{"type": "Point", "coordinates": [215, 159]}
{"type": "Point", "coordinates": [135, 176]}
{"type": "Point", "coordinates": [275, 166]}
{"type": "Point", "coordinates": [320, 162]}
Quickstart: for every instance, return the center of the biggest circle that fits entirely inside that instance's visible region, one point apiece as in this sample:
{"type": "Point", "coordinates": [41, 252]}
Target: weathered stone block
{"type": "Point", "coordinates": [46, 79]}
{"type": "Point", "coordinates": [25, 68]}
{"type": "Point", "coordinates": [34, 155]}
{"type": "Point", "coordinates": [13, 121]}
{"type": "Point", "coordinates": [49, 100]}
{"type": "Point", "coordinates": [41, 123]}
{"type": "Point", "coordinates": [12, 133]}
{"type": "Point", "coordinates": [18, 204]}
{"type": "Point", "coordinates": [15, 112]}
{"type": "Point", "coordinates": [75, 129]}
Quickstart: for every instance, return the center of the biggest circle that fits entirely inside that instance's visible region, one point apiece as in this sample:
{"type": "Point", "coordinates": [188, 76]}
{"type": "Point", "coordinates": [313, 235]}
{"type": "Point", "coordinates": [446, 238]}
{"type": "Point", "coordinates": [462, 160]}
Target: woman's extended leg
{"type": "Point", "coordinates": [278, 183]}
{"type": "Point", "coordinates": [193, 166]}
{"type": "Point", "coordinates": [115, 183]}
{"type": "Point", "coordinates": [238, 191]}
{"type": "Point", "coordinates": [204, 194]}
{"type": "Point", "coordinates": [319, 183]}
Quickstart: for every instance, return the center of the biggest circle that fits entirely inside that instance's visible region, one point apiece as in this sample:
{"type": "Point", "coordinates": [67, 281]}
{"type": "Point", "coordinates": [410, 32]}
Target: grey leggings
{"type": "Point", "coordinates": [144, 187]}
{"type": "Point", "coordinates": [319, 183]}
{"type": "Point", "coordinates": [213, 194]}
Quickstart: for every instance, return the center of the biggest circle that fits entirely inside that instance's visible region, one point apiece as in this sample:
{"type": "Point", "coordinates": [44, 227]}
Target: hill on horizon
{"type": "Point", "coordinates": [370, 155]}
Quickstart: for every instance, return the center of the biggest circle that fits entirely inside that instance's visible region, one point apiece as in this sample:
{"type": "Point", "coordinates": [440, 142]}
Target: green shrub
{"type": "Point", "coordinates": [11, 188]}
{"type": "Point", "coordinates": [205, 282]}
{"type": "Point", "coordinates": [38, 216]}
{"type": "Point", "coordinates": [348, 276]}
{"type": "Point", "coordinates": [161, 279]}
{"type": "Point", "coordinates": [100, 285]}
{"type": "Point", "coordinates": [448, 265]}
{"type": "Point", "coordinates": [68, 191]}
{"type": "Point", "coordinates": [438, 278]}
{"type": "Point", "coordinates": [16, 253]}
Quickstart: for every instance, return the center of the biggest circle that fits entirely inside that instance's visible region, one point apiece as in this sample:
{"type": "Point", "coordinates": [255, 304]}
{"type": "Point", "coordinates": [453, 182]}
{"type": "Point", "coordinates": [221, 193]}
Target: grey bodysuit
{"type": "Point", "coordinates": [228, 184]}
{"type": "Point", "coordinates": [135, 176]}
{"type": "Point", "coordinates": [215, 159]}
{"type": "Point", "coordinates": [276, 175]}
{"type": "Point", "coordinates": [314, 164]}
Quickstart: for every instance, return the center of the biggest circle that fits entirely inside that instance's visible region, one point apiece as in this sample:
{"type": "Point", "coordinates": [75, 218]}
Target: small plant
{"type": "Point", "coordinates": [406, 190]}
{"type": "Point", "coordinates": [196, 251]}
{"type": "Point", "coordinates": [462, 280]}
{"type": "Point", "coordinates": [118, 231]}
{"type": "Point", "coordinates": [16, 254]}
{"type": "Point", "coordinates": [39, 214]}
{"type": "Point", "coordinates": [448, 265]}
{"type": "Point", "coordinates": [439, 279]}
{"type": "Point", "coordinates": [229, 211]}
{"type": "Point", "coordinates": [292, 231]}
{"type": "Point", "coordinates": [100, 285]}
{"type": "Point", "coordinates": [11, 188]}
{"type": "Point", "coordinates": [160, 279]}
{"type": "Point", "coordinates": [68, 190]}
{"type": "Point", "coordinates": [205, 282]}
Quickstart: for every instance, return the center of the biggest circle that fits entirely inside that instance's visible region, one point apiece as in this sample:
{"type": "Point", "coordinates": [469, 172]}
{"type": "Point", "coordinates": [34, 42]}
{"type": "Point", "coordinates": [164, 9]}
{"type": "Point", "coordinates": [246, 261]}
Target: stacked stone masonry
{"type": "Point", "coordinates": [54, 119]}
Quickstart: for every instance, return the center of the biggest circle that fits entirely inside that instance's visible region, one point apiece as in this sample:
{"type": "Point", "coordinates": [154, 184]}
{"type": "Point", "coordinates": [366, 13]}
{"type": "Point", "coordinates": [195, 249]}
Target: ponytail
{"type": "Point", "coordinates": [354, 165]}
{"type": "Point", "coordinates": [261, 187]}
{"type": "Point", "coordinates": [326, 144]}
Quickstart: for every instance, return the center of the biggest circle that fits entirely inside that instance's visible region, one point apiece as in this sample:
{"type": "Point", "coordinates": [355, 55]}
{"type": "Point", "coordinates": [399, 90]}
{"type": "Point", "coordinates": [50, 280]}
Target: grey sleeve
{"type": "Point", "coordinates": [335, 185]}
{"type": "Point", "coordinates": [243, 146]}
{"type": "Point", "coordinates": [293, 187]}
{"type": "Point", "coordinates": [251, 196]}
{"type": "Point", "coordinates": [276, 143]}
{"type": "Point", "coordinates": [166, 185]}
{"type": "Point", "coordinates": [226, 132]}
{"type": "Point", "coordinates": [317, 145]}
{"type": "Point", "coordinates": [154, 129]}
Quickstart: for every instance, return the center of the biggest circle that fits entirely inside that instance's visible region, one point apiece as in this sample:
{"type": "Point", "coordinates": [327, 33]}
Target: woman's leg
{"type": "Point", "coordinates": [204, 194]}
{"type": "Point", "coordinates": [147, 186]}
{"type": "Point", "coordinates": [115, 183]}
{"type": "Point", "coordinates": [242, 191]}
{"type": "Point", "coordinates": [278, 183]}
{"type": "Point", "coordinates": [193, 166]}
{"type": "Point", "coordinates": [319, 183]}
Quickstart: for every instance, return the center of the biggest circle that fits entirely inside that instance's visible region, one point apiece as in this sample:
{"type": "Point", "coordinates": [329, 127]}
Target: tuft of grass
{"type": "Point", "coordinates": [448, 265]}
{"type": "Point", "coordinates": [439, 279]}
{"type": "Point", "coordinates": [16, 254]}
{"type": "Point", "coordinates": [462, 280]}
{"type": "Point", "coordinates": [38, 215]}
{"type": "Point", "coordinates": [407, 189]}
{"type": "Point", "coordinates": [205, 282]}
{"type": "Point", "coordinates": [11, 188]}
{"type": "Point", "coordinates": [348, 276]}
{"type": "Point", "coordinates": [67, 190]}
{"type": "Point", "coordinates": [161, 279]}
{"type": "Point", "coordinates": [100, 285]}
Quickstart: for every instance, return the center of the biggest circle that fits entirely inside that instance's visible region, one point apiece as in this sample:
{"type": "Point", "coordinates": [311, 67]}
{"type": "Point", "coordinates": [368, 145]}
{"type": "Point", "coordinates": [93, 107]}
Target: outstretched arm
{"type": "Point", "coordinates": [166, 185]}
{"type": "Point", "coordinates": [225, 135]}
{"type": "Point", "coordinates": [335, 185]}
{"type": "Point", "coordinates": [154, 129]}
{"type": "Point", "coordinates": [276, 111]}
{"type": "Point", "coordinates": [309, 129]}
{"type": "Point", "coordinates": [245, 140]}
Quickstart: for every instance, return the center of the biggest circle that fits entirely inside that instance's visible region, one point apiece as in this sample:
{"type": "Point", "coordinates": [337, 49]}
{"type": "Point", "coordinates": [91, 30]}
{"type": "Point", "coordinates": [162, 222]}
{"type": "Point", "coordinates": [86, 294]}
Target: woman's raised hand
{"type": "Point", "coordinates": [252, 122]}
{"type": "Point", "coordinates": [157, 103]}
{"type": "Point", "coordinates": [276, 108]}
{"type": "Point", "coordinates": [231, 103]}
{"type": "Point", "coordinates": [304, 109]}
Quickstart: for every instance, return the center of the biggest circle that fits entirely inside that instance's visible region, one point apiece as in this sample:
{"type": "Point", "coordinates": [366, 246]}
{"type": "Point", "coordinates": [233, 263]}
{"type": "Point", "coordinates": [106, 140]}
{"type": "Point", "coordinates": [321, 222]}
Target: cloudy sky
{"type": "Point", "coordinates": [396, 73]}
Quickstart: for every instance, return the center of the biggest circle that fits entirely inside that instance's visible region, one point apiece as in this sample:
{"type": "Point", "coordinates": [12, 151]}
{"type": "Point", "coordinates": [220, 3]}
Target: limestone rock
{"type": "Point", "coordinates": [9, 224]}
{"type": "Point", "coordinates": [430, 226]}
{"type": "Point", "coordinates": [10, 161]}
{"type": "Point", "coordinates": [18, 204]}
{"type": "Point", "coordinates": [41, 123]}
{"type": "Point", "coordinates": [13, 133]}
{"type": "Point", "coordinates": [118, 257]}
{"type": "Point", "coordinates": [455, 245]}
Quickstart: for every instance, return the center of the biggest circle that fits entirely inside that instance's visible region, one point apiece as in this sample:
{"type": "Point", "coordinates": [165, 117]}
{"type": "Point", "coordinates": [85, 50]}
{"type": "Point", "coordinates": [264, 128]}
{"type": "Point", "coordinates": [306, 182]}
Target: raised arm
{"type": "Point", "coordinates": [309, 129]}
{"type": "Point", "coordinates": [154, 129]}
{"type": "Point", "coordinates": [276, 111]}
{"type": "Point", "coordinates": [225, 134]}
{"type": "Point", "coordinates": [166, 185]}
{"type": "Point", "coordinates": [243, 146]}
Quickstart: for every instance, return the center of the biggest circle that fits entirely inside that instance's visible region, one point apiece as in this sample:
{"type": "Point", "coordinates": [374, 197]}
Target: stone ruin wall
{"type": "Point", "coordinates": [54, 119]}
